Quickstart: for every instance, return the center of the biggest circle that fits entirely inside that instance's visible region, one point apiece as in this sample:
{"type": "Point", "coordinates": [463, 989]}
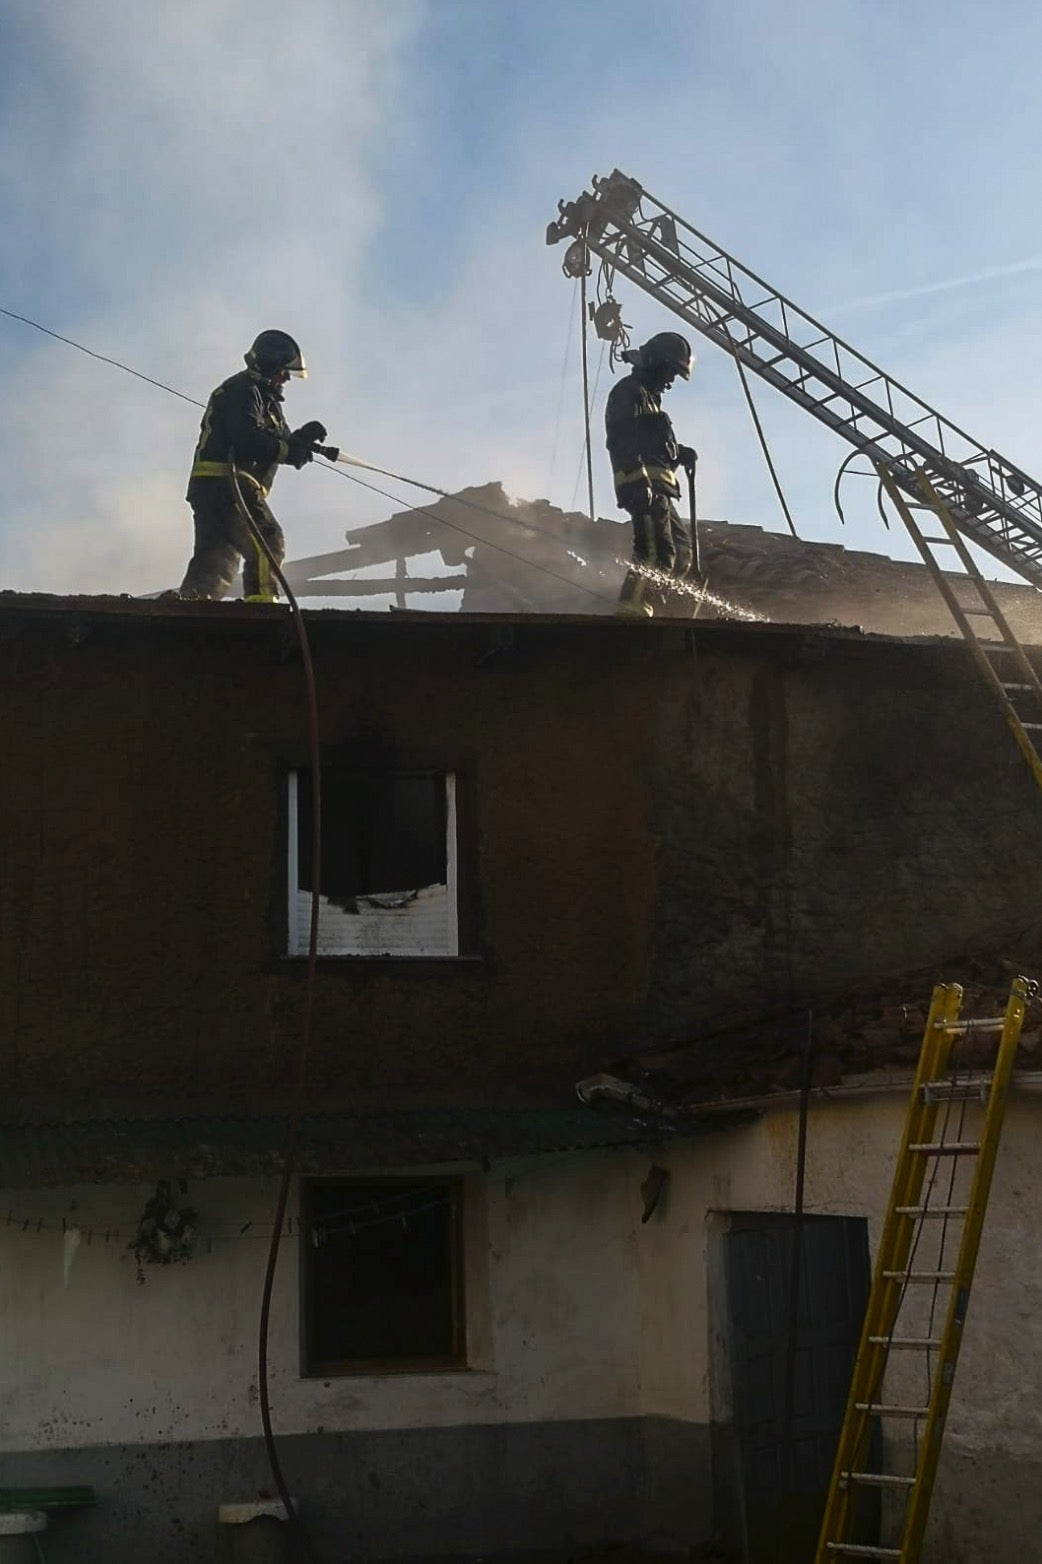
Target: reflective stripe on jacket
{"type": "Point", "coordinates": [243, 415]}
{"type": "Point", "coordinates": [641, 442]}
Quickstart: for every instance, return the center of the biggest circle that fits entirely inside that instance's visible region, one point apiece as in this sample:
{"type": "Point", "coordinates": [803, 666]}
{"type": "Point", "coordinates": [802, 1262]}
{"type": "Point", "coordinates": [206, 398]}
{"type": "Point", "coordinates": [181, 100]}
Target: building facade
{"type": "Point", "coordinates": [548, 845]}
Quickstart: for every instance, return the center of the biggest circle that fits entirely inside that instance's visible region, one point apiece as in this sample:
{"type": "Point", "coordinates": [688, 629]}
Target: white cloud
{"type": "Point", "coordinates": [215, 177]}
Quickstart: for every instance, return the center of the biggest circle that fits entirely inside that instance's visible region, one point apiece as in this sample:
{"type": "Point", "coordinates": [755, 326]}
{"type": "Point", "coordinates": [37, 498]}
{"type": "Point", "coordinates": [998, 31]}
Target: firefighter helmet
{"type": "Point", "coordinates": [669, 350]}
{"type": "Point", "coordinates": [275, 350]}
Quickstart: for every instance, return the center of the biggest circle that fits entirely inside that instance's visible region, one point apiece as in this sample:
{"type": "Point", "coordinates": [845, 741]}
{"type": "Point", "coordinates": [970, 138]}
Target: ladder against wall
{"type": "Point", "coordinates": [917, 1306]}
{"type": "Point", "coordinates": [1000, 658]}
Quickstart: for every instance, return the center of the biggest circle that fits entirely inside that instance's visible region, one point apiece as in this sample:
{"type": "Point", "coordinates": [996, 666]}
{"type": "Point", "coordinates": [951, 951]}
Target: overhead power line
{"type": "Point", "coordinates": [101, 357]}
{"type": "Point", "coordinates": [532, 564]}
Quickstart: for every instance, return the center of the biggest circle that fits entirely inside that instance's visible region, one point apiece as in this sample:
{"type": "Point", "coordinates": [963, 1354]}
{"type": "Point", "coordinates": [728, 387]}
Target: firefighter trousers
{"type": "Point", "coordinates": [222, 538]}
{"type": "Point", "coordinates": [661, 542]}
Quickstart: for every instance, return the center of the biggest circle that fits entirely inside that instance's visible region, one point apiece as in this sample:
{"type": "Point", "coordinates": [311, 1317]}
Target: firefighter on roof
{"type": "Point", "coordinates": [644, 456]}
{"type": "Point", "coordinates": [244, 422]}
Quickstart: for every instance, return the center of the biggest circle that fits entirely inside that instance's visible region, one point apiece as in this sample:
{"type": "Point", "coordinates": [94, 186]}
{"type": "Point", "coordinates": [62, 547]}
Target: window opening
{"type": "Point", "coordinates": [388, 870]}
{"type": "Point", "coordinates": [382, 1276]}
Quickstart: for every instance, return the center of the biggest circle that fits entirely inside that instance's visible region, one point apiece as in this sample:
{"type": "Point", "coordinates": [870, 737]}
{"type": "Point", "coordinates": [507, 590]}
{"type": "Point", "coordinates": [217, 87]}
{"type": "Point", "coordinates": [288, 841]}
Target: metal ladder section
{"type": "Point", "coordinates": [902, 1278]}
{"type": "Point", "coordinates": [998, 654]}
{"type": "Point", "coordinates": [990, 499]}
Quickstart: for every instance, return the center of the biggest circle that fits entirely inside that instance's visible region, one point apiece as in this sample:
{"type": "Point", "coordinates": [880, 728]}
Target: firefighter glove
{"type": "Point", "coordinates": [312, 433]}
{"type": "Point", "coordinates": [299, 452]}
{"type": "Point", "coordinates": [686, 457]}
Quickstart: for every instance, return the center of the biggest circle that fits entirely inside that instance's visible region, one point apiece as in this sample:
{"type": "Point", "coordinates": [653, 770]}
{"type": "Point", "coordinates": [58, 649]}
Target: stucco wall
{"type": "Point", "coordinates": [988, 1500]}
{"type": "Point", "coordinates": [598, 1345]}
{"type": "Point", "coordinates": [149, 1392]}
{"type": "Point", "coordinates": [552, 1319]}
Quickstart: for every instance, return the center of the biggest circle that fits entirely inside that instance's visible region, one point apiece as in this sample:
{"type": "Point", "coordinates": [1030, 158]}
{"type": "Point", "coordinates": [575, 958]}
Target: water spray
{"type": "Point", "coordinates": [332, 453]}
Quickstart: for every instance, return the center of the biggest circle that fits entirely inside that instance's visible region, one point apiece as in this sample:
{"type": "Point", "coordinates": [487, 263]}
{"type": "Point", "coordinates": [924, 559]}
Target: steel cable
{"type": "Point", "coordinates": [560, 391]}
{"type": "Point", "coordinates": [586, 383]}
{"type": "Point", "coordinates": [765, 448]}
{"type": "Point", "coordinates": [11, 315]}
{"type": "Point", "coordinates": [731, 348]}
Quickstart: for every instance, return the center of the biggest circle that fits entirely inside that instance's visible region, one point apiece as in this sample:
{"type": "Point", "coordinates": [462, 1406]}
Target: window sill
{"type": "Point", "coordinates": [388, 1372]}
{"type": "Point", "coordinates": [329, 959]}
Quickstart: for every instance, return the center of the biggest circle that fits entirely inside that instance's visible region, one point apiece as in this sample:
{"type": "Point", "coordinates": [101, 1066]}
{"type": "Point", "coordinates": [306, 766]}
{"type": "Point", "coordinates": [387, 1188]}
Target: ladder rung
{"type": "Point", "coordinates": [876, 1409]}
{"type": "Point", "coordinates": [931, 1211]}
{"type": "Point", "coordinates": [956, 1091]}
{"type": "Point", "coordinates": [919, 1276]}
{"type": "Point", "coordinates": [878, 1480]}
{"type": "Point", "coordinates": [906, 1343]}
{"type": "Point", "coordinates": [863, 1550]}
{"type": "Point", "coordinates": [982, 1024]}
{"type": "Point", "coordinates": [946, 1148]}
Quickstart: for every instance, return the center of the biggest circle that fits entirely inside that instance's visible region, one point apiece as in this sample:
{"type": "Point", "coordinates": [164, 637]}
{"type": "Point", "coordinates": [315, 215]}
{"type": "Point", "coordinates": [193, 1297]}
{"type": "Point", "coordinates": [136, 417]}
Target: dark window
{"type": "Point", "coordinates": [381, 832]}
{"type": "Point", "coordinates": [388, 873]}
{"type": "Point", "coordinates": [382, 1275]}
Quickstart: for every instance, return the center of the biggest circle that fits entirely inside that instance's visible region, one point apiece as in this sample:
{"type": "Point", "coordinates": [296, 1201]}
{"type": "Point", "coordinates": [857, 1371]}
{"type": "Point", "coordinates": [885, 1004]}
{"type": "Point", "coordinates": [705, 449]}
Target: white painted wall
{"type": "Point", "coordinates": [577, 1310]}
{"type": "Point", "coordinates": [109, 1361]}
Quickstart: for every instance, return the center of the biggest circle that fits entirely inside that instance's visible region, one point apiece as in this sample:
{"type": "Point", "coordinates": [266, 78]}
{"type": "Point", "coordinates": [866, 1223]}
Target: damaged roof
{"type": "Point", "coordinates": [875, 1027]}
{"type": "Point", "coordinates": [78, 616]}
{"type": "Point", "coordinates": [137, 1150]}
{"type": "Point", "coordinates": [523, 559]}
{"type": "Point", "coordinates": [526, 556]}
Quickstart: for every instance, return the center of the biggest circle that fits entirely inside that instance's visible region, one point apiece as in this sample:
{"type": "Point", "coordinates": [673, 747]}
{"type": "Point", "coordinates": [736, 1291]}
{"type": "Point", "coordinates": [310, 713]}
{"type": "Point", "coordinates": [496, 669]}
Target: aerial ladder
{"type": "Point", "coordinates": [926, 464]}
{"type": "Point", "coordinates": [950, 492]}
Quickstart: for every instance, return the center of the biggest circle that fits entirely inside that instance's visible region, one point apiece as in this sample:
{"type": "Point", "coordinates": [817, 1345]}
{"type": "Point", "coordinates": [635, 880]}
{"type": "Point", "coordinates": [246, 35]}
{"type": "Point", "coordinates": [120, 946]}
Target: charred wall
{"type": "Point", "coordinates": [831, 811]}
{"type": "Point", "coordinates": [658, 831]}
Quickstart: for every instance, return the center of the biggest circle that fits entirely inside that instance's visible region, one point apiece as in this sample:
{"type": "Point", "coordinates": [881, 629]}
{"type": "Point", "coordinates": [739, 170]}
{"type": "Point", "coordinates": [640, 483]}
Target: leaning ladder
{"type": "Point", "coordinates": [902, 1276]}
{"type": "Point", "coordinates": [998, 654]}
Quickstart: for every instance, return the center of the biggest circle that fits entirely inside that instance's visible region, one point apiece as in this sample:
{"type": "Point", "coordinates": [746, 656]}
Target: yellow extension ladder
{"type": "Point", "coordinates": [936, 1157]}
{"type": "Point", "coordinates": [999, 655]}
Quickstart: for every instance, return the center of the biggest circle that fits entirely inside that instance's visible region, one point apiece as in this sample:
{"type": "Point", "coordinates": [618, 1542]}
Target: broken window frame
{"type": "Point", "coordinates": [297, 923]}
{"type": "Point", "coordinates": [355, 1191]}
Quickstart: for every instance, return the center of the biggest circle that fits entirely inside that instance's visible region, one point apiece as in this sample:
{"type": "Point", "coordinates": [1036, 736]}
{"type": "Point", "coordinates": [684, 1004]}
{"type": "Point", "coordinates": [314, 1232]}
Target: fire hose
{"type": "Point", "coordinates": [696, 551]}
{"type": "Point", "coordinates": [302, 1538]}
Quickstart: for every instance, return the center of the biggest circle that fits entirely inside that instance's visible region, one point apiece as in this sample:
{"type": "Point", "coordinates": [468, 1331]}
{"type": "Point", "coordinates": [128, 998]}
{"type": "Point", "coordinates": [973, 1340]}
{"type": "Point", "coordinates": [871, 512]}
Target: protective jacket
{"type": "Point", "coordinates": [641, 442]}
{"type": "Point", "coordinates": [243, 415]}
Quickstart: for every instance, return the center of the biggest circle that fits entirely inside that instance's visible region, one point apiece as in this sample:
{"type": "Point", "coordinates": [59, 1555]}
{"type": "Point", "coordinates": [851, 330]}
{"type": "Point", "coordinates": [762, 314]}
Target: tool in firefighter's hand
{"type": "Point", "coordinates": [689, 468]}
{"type": "Point", "coordinates": [330, 452]}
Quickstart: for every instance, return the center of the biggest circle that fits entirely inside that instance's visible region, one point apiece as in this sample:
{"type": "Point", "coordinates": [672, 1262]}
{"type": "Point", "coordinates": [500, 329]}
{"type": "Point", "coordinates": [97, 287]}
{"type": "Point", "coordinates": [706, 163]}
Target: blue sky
{"type": "Point", "coordinates": [377, 175]}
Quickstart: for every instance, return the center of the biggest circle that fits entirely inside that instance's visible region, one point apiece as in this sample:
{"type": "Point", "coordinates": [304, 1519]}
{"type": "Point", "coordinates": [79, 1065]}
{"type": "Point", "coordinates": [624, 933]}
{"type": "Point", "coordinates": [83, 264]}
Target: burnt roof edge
{"type": "Point", "coordinates": [72, 611]}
